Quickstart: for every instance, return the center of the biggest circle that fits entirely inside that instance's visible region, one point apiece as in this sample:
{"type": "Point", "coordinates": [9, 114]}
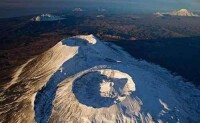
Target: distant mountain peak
{"type": "Point", "coordinates": [77, 10]}
{"type": "Point", "coordinates": [46, 17]}
{"type": "Point", "coordinates": [181, 12]}
{"type": "Point", "coordinates": [184, 12]}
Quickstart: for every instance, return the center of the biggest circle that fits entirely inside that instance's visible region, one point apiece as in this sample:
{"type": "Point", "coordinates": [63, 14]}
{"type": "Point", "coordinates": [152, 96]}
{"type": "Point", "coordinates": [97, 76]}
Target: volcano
{"type": "Point", "coordinates": [181, 12]}
{"type": "Point", "coordinates": [83, 79]}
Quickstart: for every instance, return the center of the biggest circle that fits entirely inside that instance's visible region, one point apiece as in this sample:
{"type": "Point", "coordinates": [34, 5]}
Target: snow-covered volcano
{"type": "Point", "coordinates": [181, 12]}
{"type": "Point", "coordinates": [102, 83]}
{"type": "Point", "coordinates": [84, 80]}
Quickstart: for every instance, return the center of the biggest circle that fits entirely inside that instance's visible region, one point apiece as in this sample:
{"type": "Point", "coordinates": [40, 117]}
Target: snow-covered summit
{"type": "Point", "coordinates": [47, 17]}
{"type": "Point", "coordinates": [99, 82]}
{"type": "Point", "coordinates": [184, 12]}
{"type": "Point", "coordinates": [181, 12]}
{"type": "Point", "coordinates": [82, 79]}
{"type": "Point", "coordinates": [100, 16]}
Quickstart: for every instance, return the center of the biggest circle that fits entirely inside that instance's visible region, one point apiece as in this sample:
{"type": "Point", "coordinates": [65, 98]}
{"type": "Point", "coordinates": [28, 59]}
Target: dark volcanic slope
{"type": "Point", "coordinates": [179, 55]}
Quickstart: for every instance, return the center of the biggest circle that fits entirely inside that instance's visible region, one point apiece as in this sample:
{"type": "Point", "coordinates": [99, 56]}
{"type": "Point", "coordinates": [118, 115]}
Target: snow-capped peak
{"type": "Point", "coordinates": [184, 12]}
{"type": "Point", "coordinates": [82, 79]}
{"type": "Point", "coordinates": [94, 87]}
{"type": "Point", "coordinates": [181, 12]}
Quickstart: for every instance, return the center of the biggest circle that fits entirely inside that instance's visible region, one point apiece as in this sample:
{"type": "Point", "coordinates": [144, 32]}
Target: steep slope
{"type": "Point", "coordinates": [17, 96]}
{"type": "Point", "coordinates": [82, 80]}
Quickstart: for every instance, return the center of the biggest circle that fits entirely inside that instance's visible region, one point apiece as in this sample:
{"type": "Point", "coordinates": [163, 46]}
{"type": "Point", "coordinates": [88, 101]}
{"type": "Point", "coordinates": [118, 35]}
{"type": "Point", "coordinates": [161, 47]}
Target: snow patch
{"type": "Point", "coordinates": [47, 17]}
{"type": "Point", "coordinates": [181, 12]}
{"type": "Point", "coordinates": [77, 10]}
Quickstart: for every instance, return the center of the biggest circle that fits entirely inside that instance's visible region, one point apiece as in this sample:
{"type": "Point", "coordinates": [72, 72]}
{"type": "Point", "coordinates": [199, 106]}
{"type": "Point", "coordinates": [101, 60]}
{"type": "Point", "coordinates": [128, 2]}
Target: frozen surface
{"type": "Point", "coordinates": [102, 83]}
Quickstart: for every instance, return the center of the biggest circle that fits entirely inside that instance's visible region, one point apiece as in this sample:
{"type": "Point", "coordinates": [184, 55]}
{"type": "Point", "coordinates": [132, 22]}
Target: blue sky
{"type": "Point", "coordinates": [150, 4]}
{"type": "Point", "coordinates": [25, 7]}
